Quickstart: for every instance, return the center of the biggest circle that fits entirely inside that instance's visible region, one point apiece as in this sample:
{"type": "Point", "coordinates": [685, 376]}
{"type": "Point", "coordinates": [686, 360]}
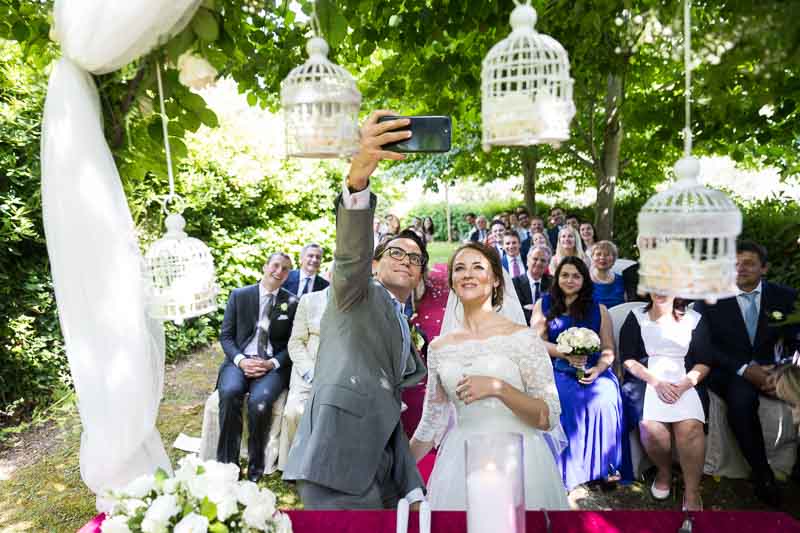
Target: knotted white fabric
{"type": "Point", "coordinates": [115, 352]}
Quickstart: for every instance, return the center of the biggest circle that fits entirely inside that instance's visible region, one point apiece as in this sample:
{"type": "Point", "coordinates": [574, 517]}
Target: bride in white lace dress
{"type": "Point", "coordinates": [498, 376]}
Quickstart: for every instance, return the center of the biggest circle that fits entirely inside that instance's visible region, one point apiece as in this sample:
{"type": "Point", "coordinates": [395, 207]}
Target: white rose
{"type": "Point", "coordinates": [563, 348]}
{"type": "Point", "coordinates": [187, 468]}
{"type": "Point", "coordinates": [195, 72]}
{"type": "Point", "coordinates": [115, 524]}
{"type": "Point", "coordinates": [132, 505]}
{"type": "Point", "coordinates": [247, 493]}
{"type": "Point", "coordinates": [267, 500]}
{"type": "Point", "coordinates": [170, 485]}
{"type": "Point", "coordinates": [161, 510]}
{"type": "Point", "coordinates": [140, 487]}
{"type": "Point", "coordinates": [192, 523]}
{"type": "Point", "coordinates": [256, 516]}
{"type": "Point", "coordinates": [226, 508]}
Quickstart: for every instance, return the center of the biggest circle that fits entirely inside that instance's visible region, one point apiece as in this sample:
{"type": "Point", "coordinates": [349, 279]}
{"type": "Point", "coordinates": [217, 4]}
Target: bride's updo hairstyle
{"type": "Point", "coordinates": [493, 257]}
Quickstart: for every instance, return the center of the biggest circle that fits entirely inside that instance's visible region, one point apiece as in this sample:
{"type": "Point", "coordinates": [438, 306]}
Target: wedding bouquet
{"type": "Point", "coordinates": [578, 341]}
{"type": "Point", "coordinates": [204, 496]}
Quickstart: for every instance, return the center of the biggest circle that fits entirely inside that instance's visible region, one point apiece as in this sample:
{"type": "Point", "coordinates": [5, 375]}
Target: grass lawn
{"type": "Point", "coordinates": [41, 488]}
{"type": "Point", "coordinates": [440, 251]}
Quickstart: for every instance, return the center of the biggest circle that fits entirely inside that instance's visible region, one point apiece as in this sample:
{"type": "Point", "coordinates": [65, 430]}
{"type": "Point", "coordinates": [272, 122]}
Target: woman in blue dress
{"type": "Point", "coordinates": [591, 407]}
{"type": "Point", "coordinates": [609, 287]}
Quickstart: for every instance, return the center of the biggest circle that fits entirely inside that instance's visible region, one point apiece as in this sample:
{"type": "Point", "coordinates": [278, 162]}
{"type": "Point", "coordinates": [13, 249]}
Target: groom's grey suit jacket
{"type": "Point", "coordinates": [354, 409]}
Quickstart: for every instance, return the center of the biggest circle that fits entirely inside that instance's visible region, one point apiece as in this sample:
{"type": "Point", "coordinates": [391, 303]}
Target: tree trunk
{"type": "Point", "coordinates": [608, 170]}
{"type": "Point", "coordinates": [530, 162]}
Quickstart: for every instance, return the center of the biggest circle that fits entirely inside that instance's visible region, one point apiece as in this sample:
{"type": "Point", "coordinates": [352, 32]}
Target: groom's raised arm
{"type": "Point", "coordinates": [355, 210]}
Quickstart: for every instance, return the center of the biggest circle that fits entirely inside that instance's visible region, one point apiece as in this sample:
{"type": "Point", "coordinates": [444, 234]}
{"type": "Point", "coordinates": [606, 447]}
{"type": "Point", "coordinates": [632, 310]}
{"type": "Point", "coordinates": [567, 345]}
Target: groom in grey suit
{"type": "Point", "coordinates": [350, 450]}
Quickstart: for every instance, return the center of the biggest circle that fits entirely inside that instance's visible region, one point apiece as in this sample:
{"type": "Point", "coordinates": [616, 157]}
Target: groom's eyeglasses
{"type": "Point", "coordinates": [398, 254]}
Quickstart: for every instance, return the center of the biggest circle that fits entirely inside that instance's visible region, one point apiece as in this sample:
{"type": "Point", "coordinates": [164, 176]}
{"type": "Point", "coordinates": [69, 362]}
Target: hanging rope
{"type": "Point", "coordinates": [164, 122]}
{"type": "Point", "coordinates": [316, 28]}
{"type": "Point", "coordinates": [687, 60]}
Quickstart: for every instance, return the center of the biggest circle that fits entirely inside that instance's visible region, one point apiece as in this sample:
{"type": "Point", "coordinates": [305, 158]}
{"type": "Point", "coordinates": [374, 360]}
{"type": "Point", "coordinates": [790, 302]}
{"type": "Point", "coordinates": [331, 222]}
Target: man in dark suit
{"type": "Point", "coordinates": [306, 278]}
{"type": "Point", "coordinates": [556, 223]}
{"type": "Point", "coordinates": [534, 283]}
{"type": "Point", "coordinates": [512, 259]}
{"type": "Point", "coordinates": [747, 346]}
{"type": "Point", "coordinates": [480, 233]}
{"type": "Point", "coordinates": [495, 239]}
{"type": "Point", "coordinates": [255, 333]}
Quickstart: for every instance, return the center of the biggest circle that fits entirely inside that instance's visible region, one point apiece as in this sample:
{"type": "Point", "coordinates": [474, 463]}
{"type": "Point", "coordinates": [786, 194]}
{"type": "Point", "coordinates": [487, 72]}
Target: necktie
{"type": "Point", "coordinates": [514, 267]}
{"type": "Point", "coordinates": [536, 293]}
{"type": "Point", "coordinates": [306, 286]}
{"type": "Point", "coordinates": [751, 315]}
{"type": "Point", "coordinates": [263, 328]}
{"type": "Point", "coordinates": [405, 331]}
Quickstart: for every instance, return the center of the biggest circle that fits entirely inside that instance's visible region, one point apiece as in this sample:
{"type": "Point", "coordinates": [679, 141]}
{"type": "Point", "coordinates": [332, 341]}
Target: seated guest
{"type": "Point", "coordinates": [540, 239]}
{"type": "Point", "coordinates": [480, 233]}
{"type": "Point", "coordinates": [630, 278]}
{"type": "Point", "coordinates": [535, 282]}
{"type": "Point", "coordinates": [392, 224]}
{"type": "Point", "coordinates": [556, 222]}
{"type": "Point", "coordinates": [747, 347]}
{"type": "Point", "coordinates": [303, 346]}
{"type": "Point", "coordinates": [609, 287]}
{"type": "Point", "coordinates": [255, 332]}
{"type": "Point", "coordinates": [495, 239]}
{"type": "Point", "coordinates": [666, 353]}
{"type": "Point", "coordinates": [524, 225]}
{"type": "Point", "coordinates": [306, 278]}
{"type": "Point", "coordinates": [428, 229]}
{"type": "Point", "coordinates": [513, 261]}
{"type": "Point", "coordinates": [591, 407]}
{"type": "Point", "coordinates": [587, 233]}
{"type": "Point", "coordinates": [573, 220]}
{"type": "Point", "coordinates": [569, 245]}
{"type": "Point", "coordinates": [536, 225]}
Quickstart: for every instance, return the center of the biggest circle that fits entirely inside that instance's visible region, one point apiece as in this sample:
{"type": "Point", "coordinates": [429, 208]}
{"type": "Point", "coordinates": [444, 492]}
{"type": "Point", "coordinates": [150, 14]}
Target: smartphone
{"type": "Point", "coordinates": [428, 134]}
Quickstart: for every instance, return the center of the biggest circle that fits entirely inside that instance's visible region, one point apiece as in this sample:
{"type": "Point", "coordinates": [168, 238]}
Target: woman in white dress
{"type": "Point", "coordinates": [497, 375]}
{"type": "Point", "coordinates": [667, 352]}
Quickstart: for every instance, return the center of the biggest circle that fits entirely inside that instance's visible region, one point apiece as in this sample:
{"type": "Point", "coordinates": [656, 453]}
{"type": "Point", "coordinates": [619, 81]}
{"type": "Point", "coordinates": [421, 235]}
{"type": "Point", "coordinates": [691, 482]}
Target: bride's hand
{"type": "Point", "coordinates": [473, 388]}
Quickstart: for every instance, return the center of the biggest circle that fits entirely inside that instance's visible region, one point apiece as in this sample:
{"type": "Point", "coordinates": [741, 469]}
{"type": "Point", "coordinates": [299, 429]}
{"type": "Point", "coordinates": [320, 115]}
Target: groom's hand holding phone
{"type": "Point", "coordinates": [373, 136]}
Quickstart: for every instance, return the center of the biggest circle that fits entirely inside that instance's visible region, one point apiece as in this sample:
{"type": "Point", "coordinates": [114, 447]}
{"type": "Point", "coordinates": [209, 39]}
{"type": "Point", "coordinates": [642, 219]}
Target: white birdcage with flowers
{"type": "Point", "coordinates": [526, 89]}
{"type": "Point", "coordinates": [320, 103]}
{"type": "Point", "coordinates": [178, 270]}
{"type": "Point", "coordinates": [687, 234]}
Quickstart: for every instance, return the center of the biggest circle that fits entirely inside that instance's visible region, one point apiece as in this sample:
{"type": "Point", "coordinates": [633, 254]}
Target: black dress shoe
{"type": "Point", "coordinates": [768, 492]}
{"type": "Point", "coordinates": [254, 476]}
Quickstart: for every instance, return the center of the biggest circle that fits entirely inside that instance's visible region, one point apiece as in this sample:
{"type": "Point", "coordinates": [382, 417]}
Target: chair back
{"type": "Point", "coordinates": [618, 315]}
{"type": "Point", "coordinates": [621, 264]}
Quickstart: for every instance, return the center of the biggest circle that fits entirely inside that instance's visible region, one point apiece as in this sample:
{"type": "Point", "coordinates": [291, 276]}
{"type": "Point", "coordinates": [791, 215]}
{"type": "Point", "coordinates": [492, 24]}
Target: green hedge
{"type": "Point", "coordinates": [774, 223]}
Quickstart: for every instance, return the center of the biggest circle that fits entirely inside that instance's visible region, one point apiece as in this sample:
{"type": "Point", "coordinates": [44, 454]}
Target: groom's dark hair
{"type": "Point", "coordinates": [405, 234]}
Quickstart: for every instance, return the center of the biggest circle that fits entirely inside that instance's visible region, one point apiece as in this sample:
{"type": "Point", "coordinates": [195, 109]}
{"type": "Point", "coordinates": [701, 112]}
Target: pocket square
{"type": "Point", "coordinates": [283, 317]}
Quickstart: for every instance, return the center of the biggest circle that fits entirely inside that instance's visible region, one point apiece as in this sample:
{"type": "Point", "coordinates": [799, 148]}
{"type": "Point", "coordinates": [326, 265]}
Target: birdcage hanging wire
{"type": "Point", "coordinates": [526, 89]}
{"type": "Point", "coordinates": [320, 103]}
{"type": "Point", "coordinates": [179, 276]}
{"type": "Point", "coordinates": [687, 234]}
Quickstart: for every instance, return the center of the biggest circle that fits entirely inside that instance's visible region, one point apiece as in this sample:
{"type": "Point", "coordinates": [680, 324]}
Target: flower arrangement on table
{"type": "Point", "coordinates": [578, 342]}
{"type": "Point", "coordinates": [203, 496]}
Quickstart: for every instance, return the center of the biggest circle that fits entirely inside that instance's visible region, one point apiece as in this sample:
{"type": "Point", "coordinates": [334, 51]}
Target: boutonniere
{"type": "Point", "coordinates": [284, 306]}
{"type": "Point", "coordinates": [779, 318]}
{"type": "Point", "coordinates": [776, 316]}
{"type": "Point", "coordinates": [417, 339]}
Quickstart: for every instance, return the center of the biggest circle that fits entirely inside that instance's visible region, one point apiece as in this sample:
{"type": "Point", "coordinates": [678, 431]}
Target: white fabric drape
{"type": "Point", "coordinates": [115, 352]}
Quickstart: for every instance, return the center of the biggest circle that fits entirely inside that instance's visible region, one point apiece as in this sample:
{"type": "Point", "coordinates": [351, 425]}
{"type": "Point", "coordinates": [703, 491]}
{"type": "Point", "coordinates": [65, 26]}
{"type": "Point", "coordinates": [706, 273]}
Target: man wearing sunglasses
{"type": "Point", "coordinates": [350, 450]}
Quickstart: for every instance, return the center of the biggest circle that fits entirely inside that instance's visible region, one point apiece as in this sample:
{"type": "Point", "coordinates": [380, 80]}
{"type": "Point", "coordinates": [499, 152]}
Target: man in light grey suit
{"type": "Point", "coordinates": [350, 450]}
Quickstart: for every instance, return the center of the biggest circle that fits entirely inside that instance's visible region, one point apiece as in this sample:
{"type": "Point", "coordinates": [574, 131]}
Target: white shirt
{"type": "Point", "coordinates": [360, 200]}
{"type": "Point", "coordinates": [302, 282]}
{"type": "Point", "coordinates": [533, 283]}
{"type": "Point", "coordinates": [252, 348]}
{"type": "Point", "coordinates": [744, 303]}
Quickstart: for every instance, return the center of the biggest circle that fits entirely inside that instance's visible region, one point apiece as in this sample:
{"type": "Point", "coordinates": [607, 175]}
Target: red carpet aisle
{"type": "Point", "coordinates": [429, 319]}
{"type": "Point", "coordinates": [561, 521]}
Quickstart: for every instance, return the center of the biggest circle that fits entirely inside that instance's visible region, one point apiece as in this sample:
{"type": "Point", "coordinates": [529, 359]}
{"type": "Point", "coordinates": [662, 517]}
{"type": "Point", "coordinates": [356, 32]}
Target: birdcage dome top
{"type": "Point", "coordinates": [526, 87]}
{"type": "Point", "coordinates": [180, 281]}
{"type": "Point", "coordinates": [319, 79]}
{"type": "Point", "coordinates": [688, 209]}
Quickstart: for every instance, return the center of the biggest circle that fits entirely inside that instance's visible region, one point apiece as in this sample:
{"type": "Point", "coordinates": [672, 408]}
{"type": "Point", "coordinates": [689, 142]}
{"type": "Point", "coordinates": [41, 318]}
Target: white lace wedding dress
{"type": "Point", "coordinates": [521, 360]}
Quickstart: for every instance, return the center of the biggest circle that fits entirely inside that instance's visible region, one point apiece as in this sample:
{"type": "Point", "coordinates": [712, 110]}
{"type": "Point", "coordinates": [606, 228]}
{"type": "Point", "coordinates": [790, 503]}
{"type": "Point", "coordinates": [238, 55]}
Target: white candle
{"type": "Point", "coordinates": [490, 501]}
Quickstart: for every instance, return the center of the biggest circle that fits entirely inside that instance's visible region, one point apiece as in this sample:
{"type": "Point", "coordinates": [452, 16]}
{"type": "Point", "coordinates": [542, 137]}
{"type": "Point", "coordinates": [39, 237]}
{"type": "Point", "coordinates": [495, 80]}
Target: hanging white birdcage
{"type": "Point", "coordinates": [687, 239]}
{"type": "Point", "coordinates": [526, 89]}
{"type": "Point", "coordinates": [687, 234]}
{"type": "Point", "coordinates": [180, 282]}
{"type": "Point", "coordinates": [320, 103]}
{"type": "Point", "coordinates": [178, 270]}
